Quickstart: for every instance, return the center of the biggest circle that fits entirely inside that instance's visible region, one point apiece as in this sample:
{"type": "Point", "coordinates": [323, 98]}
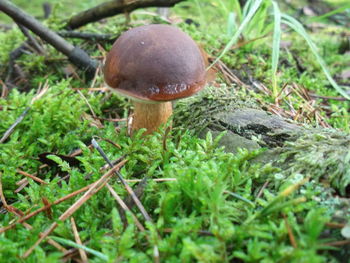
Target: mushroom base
{"type": "Point", "coordinates": [150, 116]}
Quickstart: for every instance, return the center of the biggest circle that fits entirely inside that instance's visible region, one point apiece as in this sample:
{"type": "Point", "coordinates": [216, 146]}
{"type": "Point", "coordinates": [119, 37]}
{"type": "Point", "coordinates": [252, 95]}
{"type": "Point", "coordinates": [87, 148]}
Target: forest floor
{"type": "Point", "coordinates": [205, 203]}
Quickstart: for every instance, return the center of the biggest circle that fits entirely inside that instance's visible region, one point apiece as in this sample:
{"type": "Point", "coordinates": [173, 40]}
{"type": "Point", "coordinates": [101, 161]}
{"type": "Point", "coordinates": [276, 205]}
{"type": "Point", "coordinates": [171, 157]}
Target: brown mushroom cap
{"type": "Point", "coordinates": [155, 63]}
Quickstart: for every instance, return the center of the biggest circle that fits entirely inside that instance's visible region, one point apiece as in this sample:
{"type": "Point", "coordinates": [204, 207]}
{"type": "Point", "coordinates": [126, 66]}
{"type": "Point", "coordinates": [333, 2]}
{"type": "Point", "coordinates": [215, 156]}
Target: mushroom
{"type": "Point", "coordinates": [153, 65]}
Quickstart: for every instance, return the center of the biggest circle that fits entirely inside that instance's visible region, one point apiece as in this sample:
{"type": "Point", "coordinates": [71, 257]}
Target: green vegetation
{"type": "Point", "coordinates": [219, 206]}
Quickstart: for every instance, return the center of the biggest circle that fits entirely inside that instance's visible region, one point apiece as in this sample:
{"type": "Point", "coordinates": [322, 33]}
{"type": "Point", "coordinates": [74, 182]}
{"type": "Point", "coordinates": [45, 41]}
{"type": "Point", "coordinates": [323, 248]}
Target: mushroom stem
{"type": "Point", "coordinates": [150, 115]}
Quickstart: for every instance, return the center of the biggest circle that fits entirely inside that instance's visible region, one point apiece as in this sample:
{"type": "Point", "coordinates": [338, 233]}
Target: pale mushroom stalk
{"type": "Point", "coordinates": [150, 115]}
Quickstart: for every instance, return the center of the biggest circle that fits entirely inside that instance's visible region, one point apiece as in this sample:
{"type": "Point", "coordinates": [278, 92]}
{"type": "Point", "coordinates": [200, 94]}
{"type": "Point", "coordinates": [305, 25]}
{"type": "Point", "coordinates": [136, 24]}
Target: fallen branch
{"type": "Point", "coordinates": [88, 36]}
{"type": "Point", "coordinates": [76, 55]}
{"type": "Point", "coordinates": [112, 8]}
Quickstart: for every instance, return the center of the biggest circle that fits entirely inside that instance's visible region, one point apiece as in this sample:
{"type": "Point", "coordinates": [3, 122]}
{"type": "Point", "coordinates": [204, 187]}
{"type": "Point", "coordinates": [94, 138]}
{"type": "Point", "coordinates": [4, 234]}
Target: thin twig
{"type": "Point", "coordinates": [127, 187]}
{"type": "Point", "coordinates": [335, 225]}
{"type": "Point", "coordinates": [111, 8]}
{"type": "Point", "coordinates": [31, 176]}
{"type": "Point", "coordinates": [87, 102]}
{"type": "Point", "coordinates": [290, 232]}
{"type": "Point", "coordinates": [78, 240]}
{"type": "Point", "coordinates": [31, 39]}
{"type": "Point", "coordinates": [338, 243]}
{"type": "Point", "coordinates": [24, 113]}
{"type": "Point", "coordinates": [88, 36]}
{"type": "Point", "coordinates": [34, 213]}
{"type": "Point", "coordinates": [155, 180]}
{"type": "Point", "coordinates": [95, 187]}
{"type": "Point", "coordinates": [125, 207]}
{"type": "Point", "coordinates": [18, 213]}
{"type": "Point", "coordinates": [262, 189]}
{"type": "Point", "coordinates": [14, 125]}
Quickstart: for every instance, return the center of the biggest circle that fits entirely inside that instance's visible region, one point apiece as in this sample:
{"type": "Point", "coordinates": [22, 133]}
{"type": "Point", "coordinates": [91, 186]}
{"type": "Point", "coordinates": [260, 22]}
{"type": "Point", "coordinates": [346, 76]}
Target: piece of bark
{"type": "Point", "coordinates": [112, 8]}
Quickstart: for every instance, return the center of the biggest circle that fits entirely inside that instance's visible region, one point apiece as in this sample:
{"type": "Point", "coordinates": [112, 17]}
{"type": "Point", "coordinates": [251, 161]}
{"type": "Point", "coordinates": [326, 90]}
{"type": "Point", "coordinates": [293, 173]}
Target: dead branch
{"type": "Point", "coordinates": [31, 40]}
{"type": "Point", "coordinates": [112, 8]}
{"type": "Point", "coordinates": [76, 55]}
{"type": "Point", "coordinates": [88, 36]}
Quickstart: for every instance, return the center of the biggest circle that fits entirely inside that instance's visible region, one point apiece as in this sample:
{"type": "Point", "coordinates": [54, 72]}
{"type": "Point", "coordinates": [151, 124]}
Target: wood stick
{"type": "Point", "coordinates": [127, 187]}
{"type": "Point", "coordinates": [88, 36]}
{"type": "Point", "coordinates": [125, 207]}
{"type": "Point", "coordinates": [76, 55]}
{"type": "Point", "coordinates": [82, 252]}
{"type": "Point", "coordinates": [37, 179]}
{"type": "Point", "coordinates": [18, 213]}
{"type": "Point", "coordinates": [112, 8]}
{"type": "Point", "coordinates": [14, 125]}
{"type": "Point", "coordinates": [95, 187]}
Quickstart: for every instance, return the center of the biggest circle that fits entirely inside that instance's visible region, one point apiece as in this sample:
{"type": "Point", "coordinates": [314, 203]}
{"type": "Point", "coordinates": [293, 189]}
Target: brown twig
{"type": "Point", "coordinates": [34, 213]}
{"type": "Point", "coordinates": [88, 36]}
{"type": "Point", "coordinates": [87, 103]}
{"type": "Point", "coordinates": [200, 232]}
{"type": "Point", "coordinates": [125, 207]}
{"type": "Point", "coordinates": [31, 40]}
{"type": "Point", "coordinates": [4, 90]}
{"type": "Point", "coordinates": [76, 55]}
{"type": "Point", "coordinates": [112, 8]}
{"type": "Point", "coordinates": [95, 187]}
{"type": "Point", "coordinates": [262, 189]}
{"type": "Point", "coordinates": [125, 184]}
{"type": "Point", "coordinates": [335, 225]}
{"type": "Point", "coordinates": [31, 176]}
{"type": "Point", "coordinates": [338, 243]}
{"type": "Point", "coordinates": [18, 213]}
{"type": "Point", "coordinates": [155, 180]}
{"type": "Point", "coordinates": [82, 253]}
{"type": "Point", "coordinates": [290, 232]}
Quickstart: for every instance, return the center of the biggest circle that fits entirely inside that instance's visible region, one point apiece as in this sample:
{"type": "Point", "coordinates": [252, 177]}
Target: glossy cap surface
{"type": "Point", "coordinates": [155, 63]}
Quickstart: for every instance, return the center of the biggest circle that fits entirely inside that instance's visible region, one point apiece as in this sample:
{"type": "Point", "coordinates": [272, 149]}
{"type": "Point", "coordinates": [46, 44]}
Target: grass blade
{"type": "Point", "coordinates": [296, 26]}
{"type": "Point", "coordinates": [75, 245]}
{"type": "Point", "coordinates": [275, 46]}
{"type": "Point", "coordinates": [333, 12]}
{"type": "Point", "coordinates": [234, 38]}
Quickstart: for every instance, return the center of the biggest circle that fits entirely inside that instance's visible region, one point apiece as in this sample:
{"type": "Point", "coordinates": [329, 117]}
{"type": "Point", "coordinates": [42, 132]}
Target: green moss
{"type": "Point", "coordinates": [322, 155]}
{"type": "Point", "coordinates": [214, 211]}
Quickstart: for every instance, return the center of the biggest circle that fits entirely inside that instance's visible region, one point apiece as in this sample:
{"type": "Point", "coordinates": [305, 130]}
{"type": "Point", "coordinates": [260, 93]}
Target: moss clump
{"type": "Point", "coordinates": [197, 112]}
{"type": "Point", "coordinates": [321, 154]}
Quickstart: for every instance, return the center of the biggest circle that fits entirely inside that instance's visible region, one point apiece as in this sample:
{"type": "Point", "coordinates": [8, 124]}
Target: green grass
{"type": "Point", "coordinates": [223, 207]}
